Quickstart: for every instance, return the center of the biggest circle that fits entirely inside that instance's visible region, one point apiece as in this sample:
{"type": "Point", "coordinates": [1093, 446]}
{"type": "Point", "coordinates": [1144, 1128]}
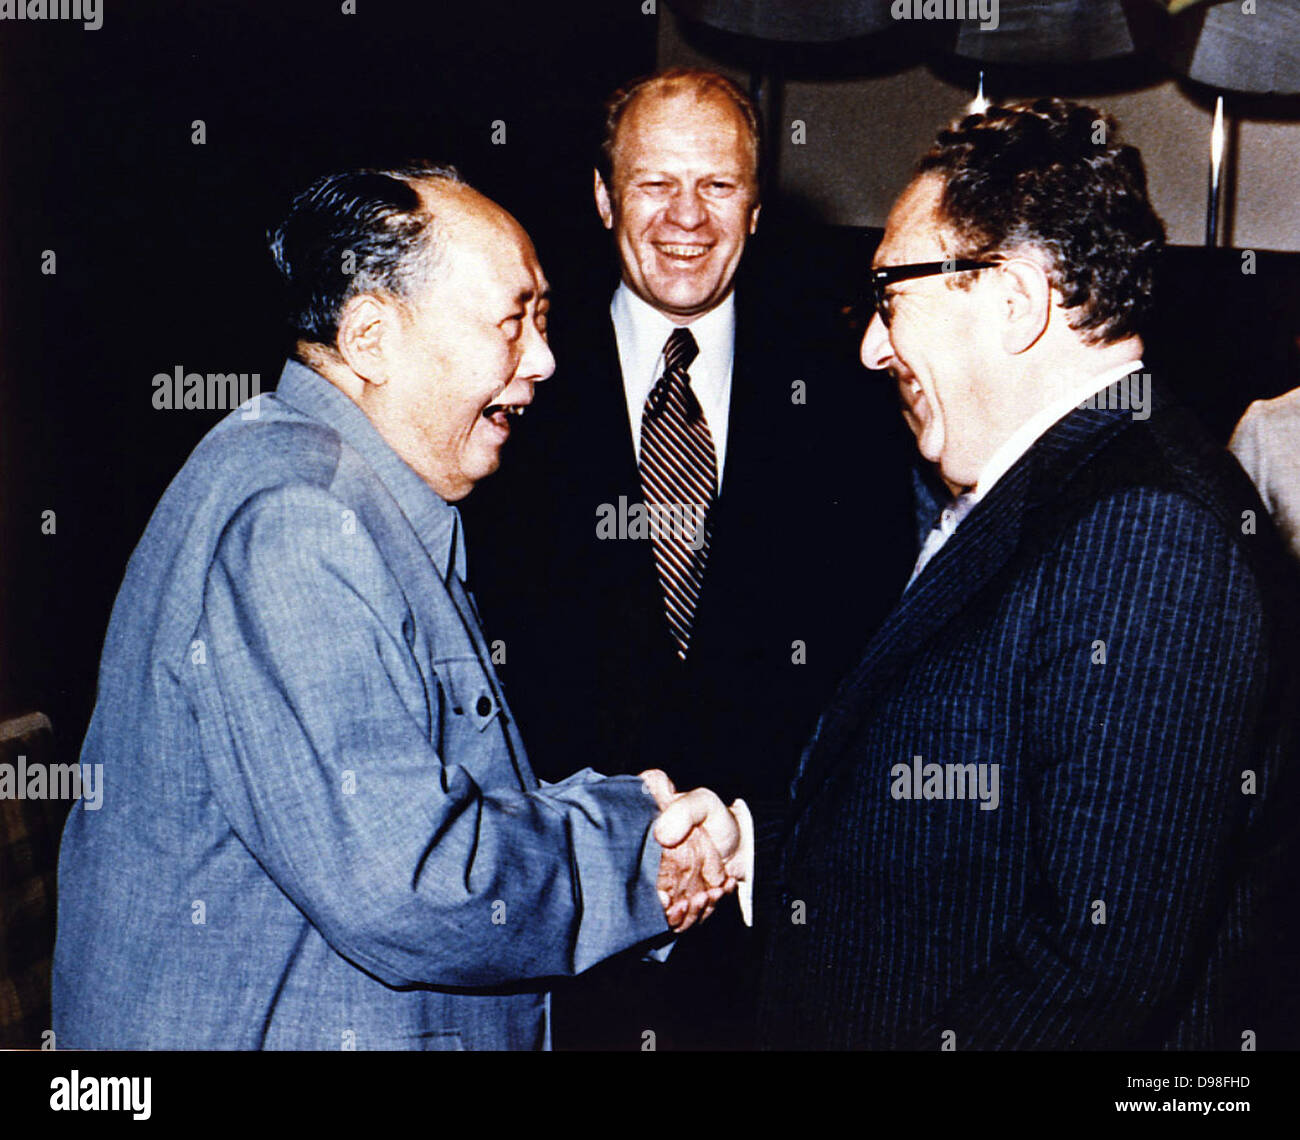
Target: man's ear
{"type": "Point", "coordinates": [604, 207]}
{"type": "Point", "coordinates": [753, 216]}
{"type": "Point", "coordinates": [366, 332]}
{"type": "Point", "coordinates": [1025, 295]}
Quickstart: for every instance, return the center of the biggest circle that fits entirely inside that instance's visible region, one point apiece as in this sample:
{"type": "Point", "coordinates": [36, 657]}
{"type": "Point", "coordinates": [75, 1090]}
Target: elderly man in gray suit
{"type": "Point", "coordinates": [320, 828]}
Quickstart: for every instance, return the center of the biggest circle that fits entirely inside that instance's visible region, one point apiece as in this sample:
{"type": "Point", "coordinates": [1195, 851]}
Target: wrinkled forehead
{"type": "Point", "coordinates": [914, 232]}
{"type": "Point", "coordinates": [482, 244]}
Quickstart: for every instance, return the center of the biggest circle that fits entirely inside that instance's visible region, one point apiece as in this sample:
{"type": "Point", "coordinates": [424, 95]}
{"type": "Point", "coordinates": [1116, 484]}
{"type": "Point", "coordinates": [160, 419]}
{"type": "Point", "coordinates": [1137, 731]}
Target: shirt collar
{"type": "Point", "coordinates": [435, 520]}
{"type": "Point", "coordinates": [645, 330]}
{"type": "Point", "coordinates": [1025, 436]}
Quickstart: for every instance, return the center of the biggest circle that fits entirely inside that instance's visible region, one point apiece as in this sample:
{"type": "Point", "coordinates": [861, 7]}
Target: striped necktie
{"type": "Point", "coordinates": [679, 484]}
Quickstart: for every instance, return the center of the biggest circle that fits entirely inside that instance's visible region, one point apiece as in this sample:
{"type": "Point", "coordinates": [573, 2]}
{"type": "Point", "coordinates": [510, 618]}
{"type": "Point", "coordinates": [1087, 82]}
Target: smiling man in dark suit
{"type": "Point", "coordinates": [1053, 806]}
{"type": "Point", "coordinates": [715, 410]}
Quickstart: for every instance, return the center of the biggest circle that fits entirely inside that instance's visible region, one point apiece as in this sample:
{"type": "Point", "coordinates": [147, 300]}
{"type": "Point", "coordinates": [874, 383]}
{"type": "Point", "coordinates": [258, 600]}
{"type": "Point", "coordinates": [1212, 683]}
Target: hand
{"type": "Point", "coordinates": [698, 834]}
{"type": "Point", "coordinates": [686, 873]}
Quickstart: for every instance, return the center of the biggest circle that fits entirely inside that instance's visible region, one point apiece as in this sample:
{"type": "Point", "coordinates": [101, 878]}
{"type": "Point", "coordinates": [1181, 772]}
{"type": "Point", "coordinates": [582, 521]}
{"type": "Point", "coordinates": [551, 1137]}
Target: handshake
{"type": "Point", "coordinates": [707, 849]}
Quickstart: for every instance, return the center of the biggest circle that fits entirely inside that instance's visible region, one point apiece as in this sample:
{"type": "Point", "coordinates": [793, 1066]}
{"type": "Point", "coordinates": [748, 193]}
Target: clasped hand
{"type": "Point", "coordinates": [700, 839]}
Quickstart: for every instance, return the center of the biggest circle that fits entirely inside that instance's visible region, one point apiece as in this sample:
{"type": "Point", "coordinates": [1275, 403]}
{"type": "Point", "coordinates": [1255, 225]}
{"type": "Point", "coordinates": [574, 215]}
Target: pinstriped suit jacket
{"type": "Point", "coordinates": [1101, 629]}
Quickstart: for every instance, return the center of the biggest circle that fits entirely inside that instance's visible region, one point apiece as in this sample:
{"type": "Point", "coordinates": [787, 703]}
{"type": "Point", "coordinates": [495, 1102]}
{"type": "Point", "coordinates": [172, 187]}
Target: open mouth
{"type": "Point", "coordinates": [909, 388]}
{"type": "Point", "coordinates": [502, 414]}
{"type": "Point", "coordinates": [915, 405]}
{"type": "Point", "coordinates": [682, 252]}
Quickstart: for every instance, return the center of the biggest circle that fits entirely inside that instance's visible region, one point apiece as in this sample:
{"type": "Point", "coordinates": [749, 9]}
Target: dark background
{"type": "Point", "coordinates": [159, 242]}
{"type": "Point", "coordinates": [161, 258]}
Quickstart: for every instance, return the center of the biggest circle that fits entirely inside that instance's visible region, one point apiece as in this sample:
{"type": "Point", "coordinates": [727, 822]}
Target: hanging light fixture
{"type": "Point", "coordinates": [1216, 170]}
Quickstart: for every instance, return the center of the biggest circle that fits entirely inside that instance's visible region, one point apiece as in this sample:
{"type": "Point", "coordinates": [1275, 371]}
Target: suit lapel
{"type": "Point", "coordinates": [749, 436]}
{"type": "Point", "coordinates": [614, 456]}
{"type": "Point", "coordinates": [966, 564]}
{"type": "Point", "coordinates": [742, 478]}
{"type": "Point", "coordinates": [627, 580]}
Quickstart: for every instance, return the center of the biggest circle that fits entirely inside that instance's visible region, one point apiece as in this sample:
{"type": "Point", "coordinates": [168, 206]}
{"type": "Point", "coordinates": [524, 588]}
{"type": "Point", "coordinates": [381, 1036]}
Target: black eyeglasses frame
{"type": "Point", "coordinates": [888, 275]}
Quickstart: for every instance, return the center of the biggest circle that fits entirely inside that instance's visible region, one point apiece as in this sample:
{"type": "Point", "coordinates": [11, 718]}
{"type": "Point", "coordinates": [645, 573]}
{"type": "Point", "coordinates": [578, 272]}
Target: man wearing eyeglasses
{"type": "Point", "coordinates": [1053, 806]}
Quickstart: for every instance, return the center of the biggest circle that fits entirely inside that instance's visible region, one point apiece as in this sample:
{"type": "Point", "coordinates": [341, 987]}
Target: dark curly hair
{"type": "Point", "coordinates": [354, 232]}
{"type": "Point", "coordinates": [1054, 175]}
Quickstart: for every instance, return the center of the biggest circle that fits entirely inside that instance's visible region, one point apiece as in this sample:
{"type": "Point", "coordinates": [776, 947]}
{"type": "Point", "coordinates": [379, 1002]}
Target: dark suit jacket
{"type": "Point", "coordinates": [1121, 782]}
{"type": "Point", "coordinates": [812, 541]}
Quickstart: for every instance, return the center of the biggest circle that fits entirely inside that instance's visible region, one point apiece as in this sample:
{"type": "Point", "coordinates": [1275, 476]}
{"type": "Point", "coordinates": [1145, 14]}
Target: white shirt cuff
{"type": "Point", "coordinates": [743, 861]}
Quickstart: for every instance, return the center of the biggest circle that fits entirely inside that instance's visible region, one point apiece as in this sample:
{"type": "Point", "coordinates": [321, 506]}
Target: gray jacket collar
{"type": "Point", "coordinates": [435, 520]}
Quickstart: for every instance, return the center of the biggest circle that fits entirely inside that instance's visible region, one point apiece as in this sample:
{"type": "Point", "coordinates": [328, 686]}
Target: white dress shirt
{"type": "Point", "coordinates": [641, 331]}
{"type": "Point", "coordinates": [949, 520]}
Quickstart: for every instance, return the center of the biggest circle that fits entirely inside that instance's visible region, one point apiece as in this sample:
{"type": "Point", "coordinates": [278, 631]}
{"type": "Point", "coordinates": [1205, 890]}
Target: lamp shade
{"type": "Point", "coordinates": [1048, 31]}
{"type": "Point", "coordinates": [1252, 47]}
{"type": "Point", "coordinates": [1254, 51]}
{"type": "Point", "coordinates": [794, 21]}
